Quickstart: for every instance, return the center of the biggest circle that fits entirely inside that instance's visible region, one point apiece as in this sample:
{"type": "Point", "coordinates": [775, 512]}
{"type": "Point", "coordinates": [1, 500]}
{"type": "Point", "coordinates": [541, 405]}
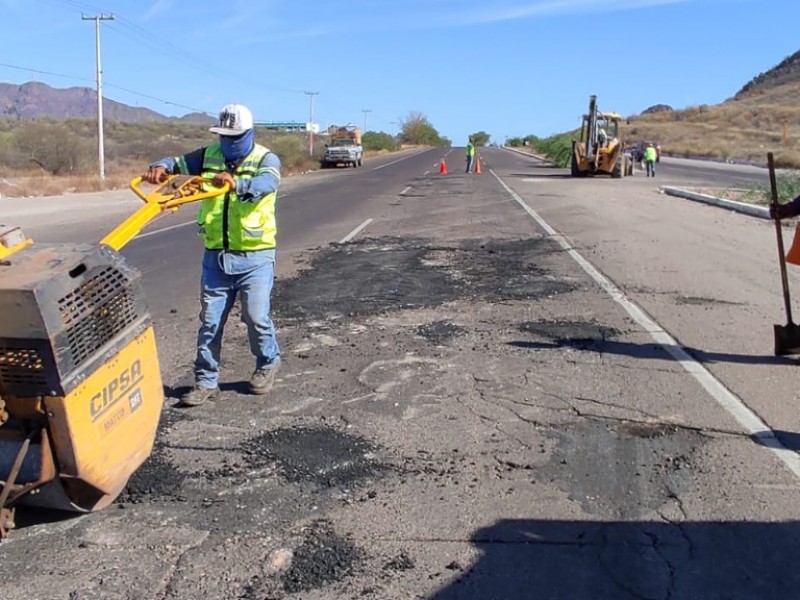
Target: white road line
{"type": "Point", "coordinates": [163, 229]}
{"type": "Point", "coordinates": [750, 421]}
{"type": "Point", "coordinates": [408, 187]}
{"type": "Point", "coordinates": [355, 232]}
{"type": "Point", "coordinates": [394, 162]}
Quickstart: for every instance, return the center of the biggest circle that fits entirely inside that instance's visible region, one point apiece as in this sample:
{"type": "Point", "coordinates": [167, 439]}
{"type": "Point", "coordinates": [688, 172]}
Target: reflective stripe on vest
{"type": "Point", "coordinates": [225, 222]}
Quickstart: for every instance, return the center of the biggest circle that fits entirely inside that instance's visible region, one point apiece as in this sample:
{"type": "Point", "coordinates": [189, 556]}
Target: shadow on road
{"type": "Point", "coordinates": [655, 351]}
{"type": "Point", "coordinates": [788, 439]}
{"type": "Point", "coordinates": [541, 175]}
{"type": "Point", "coordinates": [532, 559]}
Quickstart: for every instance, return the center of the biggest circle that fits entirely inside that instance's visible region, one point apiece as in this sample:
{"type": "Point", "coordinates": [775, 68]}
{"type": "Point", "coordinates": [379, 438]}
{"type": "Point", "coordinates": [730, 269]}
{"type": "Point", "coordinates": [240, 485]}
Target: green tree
{"type": "Point", "coordinates": [417, 129]}
{"type": "Point", "coordinates": [374, 140]}
{"type": "Point", "coordinates": [480, 138]}
{"type": "Point", "coordinates": [557, 147]}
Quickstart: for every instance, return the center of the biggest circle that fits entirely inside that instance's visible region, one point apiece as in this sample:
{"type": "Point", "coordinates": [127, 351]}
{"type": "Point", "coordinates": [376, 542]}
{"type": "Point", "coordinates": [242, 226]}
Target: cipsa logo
{"type": "Point", "coordinates": [115, 389]}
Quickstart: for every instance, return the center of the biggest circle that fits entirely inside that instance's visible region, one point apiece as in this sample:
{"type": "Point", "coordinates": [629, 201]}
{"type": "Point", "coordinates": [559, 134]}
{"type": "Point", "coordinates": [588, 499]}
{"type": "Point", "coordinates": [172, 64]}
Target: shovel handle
{"type": "Point", "coordinates": [779, 233]}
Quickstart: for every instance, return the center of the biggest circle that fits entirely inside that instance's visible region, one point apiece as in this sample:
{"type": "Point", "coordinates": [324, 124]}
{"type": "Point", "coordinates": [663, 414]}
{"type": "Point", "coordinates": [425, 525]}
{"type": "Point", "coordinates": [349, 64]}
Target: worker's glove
{"type": "Point", "coordinates": [155, 175]}
{"type": "Point", "coordinates": [782, 211]}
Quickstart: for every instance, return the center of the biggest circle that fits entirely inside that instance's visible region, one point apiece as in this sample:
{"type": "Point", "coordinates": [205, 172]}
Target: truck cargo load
{"type": "Point", "coordinates": [344, 147]}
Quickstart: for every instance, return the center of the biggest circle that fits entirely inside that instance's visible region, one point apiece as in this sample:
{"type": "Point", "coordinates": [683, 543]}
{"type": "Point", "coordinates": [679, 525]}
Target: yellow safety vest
{"type": "Point", "coordinates": [227, 223]}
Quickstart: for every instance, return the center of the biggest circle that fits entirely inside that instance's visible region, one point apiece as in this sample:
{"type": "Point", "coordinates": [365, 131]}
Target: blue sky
{"type": "Point", "coordinates": [507, 67]}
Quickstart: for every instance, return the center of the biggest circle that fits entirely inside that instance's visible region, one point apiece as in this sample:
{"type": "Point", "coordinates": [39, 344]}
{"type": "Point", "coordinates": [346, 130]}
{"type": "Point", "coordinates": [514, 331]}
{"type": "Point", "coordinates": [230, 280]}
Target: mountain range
{"type": "Point", "coordinates": [35, 100]}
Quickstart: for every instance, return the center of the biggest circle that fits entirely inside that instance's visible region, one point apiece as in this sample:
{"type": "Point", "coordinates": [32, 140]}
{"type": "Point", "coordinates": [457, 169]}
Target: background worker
{"type": "Point", "coordinates": [602, 137]}
{"type": "Point", "coordinates": [238, 230]}
{"type": "Point", "coordinates": [785, 211]}
{"type": "Point", "coordinates": [650, 156]}
{"type": "Point", "coordinates": [470, 155]}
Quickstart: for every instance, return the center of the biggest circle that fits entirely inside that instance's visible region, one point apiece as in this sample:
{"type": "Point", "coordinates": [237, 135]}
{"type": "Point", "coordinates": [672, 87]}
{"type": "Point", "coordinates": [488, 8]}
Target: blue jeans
{"type": "Point", "coordinates": [651, 168]}
{"type": "Point", "coordinates": [469, 163]}
{"type": "Point", "coordinates": [250, 274]}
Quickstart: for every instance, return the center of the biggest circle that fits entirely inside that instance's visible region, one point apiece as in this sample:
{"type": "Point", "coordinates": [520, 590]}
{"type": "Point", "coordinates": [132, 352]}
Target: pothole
{"type": "Point", "coordinates": [374, 276]}
{"type": "Point", "coordinates": [702, 301]}
{"type": "Point", "coordinates": [625, 471]}
{"type": "Point", "coordinates": [571, 333]}
{"type": "Point", "coordinates": [322, 456]}
{"type": "Point", "coordinates": [440, 332]}
{"type": "Point", "coordinates": [321, 559]}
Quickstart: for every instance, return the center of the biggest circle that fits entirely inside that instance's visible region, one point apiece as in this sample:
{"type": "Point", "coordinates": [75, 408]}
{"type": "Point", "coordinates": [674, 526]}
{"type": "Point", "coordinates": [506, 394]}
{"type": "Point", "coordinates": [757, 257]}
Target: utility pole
{"type": "Point", "coordinates": [100, 147]}
{"type": "Point", "coordinates": [365, 111]}
{"type": "Point", "coordinates": [311, 122]}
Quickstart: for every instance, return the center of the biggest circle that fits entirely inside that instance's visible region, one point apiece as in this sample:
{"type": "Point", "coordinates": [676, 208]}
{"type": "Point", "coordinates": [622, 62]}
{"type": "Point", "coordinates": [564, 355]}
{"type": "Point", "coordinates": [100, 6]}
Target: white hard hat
{"type": "Point", "coordinates": [234, 119]}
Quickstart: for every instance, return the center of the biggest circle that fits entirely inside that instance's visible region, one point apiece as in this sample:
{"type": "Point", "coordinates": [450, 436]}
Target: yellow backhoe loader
{"type": "Point", "coordinates": [599, 149]}
{"type": "Point", "coordinates": [80, 385]}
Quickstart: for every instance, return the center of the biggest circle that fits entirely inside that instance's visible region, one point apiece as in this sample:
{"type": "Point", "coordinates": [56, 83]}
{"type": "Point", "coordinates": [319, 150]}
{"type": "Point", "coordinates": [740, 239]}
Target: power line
{"type": "Point", "coordinates": [131, 30]}
{"type": "Point", "coordinates": [128, 29]}
{"type": "Point", "coordinates": [32, 70]}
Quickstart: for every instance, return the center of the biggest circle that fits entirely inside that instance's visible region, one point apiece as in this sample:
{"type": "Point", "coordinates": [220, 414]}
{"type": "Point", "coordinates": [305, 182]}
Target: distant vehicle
{"type": "Point", "coordinates": [599, 149]}
{"type": "Point", "coordinates": [344, 147]}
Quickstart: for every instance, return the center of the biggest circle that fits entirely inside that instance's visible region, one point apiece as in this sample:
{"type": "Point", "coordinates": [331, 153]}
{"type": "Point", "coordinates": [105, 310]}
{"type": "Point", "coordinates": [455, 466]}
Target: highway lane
{"type": "Point", "coordinates": [704, 173]}
{"type": "Point", "coordinates": [708, 275]}
{"type": "Point", "coordinates": [680, 171]}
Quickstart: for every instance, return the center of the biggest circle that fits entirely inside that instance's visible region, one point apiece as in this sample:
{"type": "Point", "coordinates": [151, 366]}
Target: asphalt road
{"type": "Point", "coordinates": [711, 173]}
{"type": "Point", "coordinates": [510, 385]}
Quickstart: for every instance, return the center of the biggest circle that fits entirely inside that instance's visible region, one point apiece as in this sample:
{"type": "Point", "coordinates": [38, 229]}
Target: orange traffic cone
{"type": "Point", "coordinates": [478, 165]}
{"type": "Point", "coordinates": [443, 167]}
{"type": "Point", "coordinates": [793, 256]}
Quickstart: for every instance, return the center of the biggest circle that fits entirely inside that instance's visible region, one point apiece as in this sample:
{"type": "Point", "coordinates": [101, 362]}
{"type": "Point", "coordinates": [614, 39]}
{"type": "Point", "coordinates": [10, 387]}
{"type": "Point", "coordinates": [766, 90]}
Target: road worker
{"type": "Point", "coordinates": [238, 229]}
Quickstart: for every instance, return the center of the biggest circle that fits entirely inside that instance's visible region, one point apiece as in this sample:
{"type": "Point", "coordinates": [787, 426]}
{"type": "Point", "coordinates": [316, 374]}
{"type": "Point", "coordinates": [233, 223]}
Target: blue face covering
{"type": "Point", "coordinates": [235, 148]}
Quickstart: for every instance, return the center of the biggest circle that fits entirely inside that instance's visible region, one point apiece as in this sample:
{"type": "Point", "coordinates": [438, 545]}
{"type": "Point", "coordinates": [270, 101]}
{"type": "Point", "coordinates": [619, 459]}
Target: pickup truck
{"type": "Point", "coordinates": [344, 148]}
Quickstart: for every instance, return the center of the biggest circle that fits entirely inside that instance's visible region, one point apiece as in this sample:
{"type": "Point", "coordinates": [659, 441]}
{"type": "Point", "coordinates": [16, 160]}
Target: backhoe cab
{"type": "Point", "coordinates": [599, 149]}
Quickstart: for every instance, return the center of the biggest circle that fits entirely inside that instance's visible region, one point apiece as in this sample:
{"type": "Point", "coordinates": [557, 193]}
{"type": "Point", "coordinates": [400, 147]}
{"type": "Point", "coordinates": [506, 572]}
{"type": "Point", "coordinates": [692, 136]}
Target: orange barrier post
{"type": "Point", "coordinates": [478, 165]}
{"type": "Point", "coordinates": [443, 167]}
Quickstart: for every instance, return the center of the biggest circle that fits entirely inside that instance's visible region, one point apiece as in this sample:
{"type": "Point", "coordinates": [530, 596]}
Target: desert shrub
{"type": "Point", "coordinates": [557, 148]}
{"type": "Point", "coordinates": [788, 159]}
{"type": "Point", "coordinates": [374, 141]}
{"type": "Point", "coordinates": [292, 149]}
{"type": "Point", "coordinates": [53, 147]}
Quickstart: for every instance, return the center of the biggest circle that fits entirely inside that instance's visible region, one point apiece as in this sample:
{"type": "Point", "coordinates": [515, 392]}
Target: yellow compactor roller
{"type": "Point", "coordinates": [80, 385]}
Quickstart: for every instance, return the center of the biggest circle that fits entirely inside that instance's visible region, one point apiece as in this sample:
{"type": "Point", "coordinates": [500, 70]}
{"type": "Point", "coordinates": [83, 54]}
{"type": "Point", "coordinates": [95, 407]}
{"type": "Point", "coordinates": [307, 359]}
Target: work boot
{"type": "Point", "coordinates": [262, 380]}
{"type": "Point", "coordinates": [199, 395]}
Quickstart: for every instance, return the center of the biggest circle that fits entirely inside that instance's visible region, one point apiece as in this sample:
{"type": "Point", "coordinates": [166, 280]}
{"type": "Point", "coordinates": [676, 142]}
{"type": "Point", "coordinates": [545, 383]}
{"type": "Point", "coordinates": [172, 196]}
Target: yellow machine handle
{"type": "Point", "coordinates": [175, 191]}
